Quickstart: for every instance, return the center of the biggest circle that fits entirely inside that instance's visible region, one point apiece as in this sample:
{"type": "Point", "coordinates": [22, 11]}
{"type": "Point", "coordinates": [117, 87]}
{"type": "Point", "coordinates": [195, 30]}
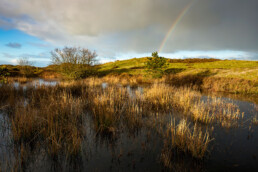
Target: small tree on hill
{"type": "Point", "coordinates": [156, 65]}
{"type": "Point", "coordinates": [75, 62]}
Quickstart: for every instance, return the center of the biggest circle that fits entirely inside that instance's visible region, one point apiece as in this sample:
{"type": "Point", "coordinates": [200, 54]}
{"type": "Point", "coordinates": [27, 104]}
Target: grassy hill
{"type": "Point", "coordinates": [236, 76]}
{"type": "Point", "coordinates": [218, 68]}
{"type": "Point", "coordinates": [136, 66]}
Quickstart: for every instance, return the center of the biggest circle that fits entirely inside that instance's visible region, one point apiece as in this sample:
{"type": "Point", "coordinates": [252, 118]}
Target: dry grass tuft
{"type": "Point", "coordinates": [189, 140]}
{"type": "Point", "coordinates": [52, 116]}
{"type": "Point", "coordinates": [255, 120]}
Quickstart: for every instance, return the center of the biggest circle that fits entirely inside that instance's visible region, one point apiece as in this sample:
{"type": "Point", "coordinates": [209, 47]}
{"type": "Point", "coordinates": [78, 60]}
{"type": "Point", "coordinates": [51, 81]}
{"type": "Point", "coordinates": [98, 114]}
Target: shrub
{"type": "Point", "coordinates": [156, 65]}
{"type": "Point", "coordinates": [4, 71]}
{"type": "Point", "coordinates": [74, 62]}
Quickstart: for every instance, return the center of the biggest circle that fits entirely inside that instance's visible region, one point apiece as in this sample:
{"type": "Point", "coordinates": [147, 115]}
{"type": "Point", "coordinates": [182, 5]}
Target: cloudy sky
{"type": "Point", "coordinates": [122, 29]}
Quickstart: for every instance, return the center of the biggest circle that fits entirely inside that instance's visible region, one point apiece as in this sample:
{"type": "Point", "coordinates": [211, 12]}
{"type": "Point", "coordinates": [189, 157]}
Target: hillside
{"type": "Point", "coordinates": [209, 67]}
{"type": "Point", "coordinates": [235, 76]}
{"type": "Point", "coordinates": [218, 68]}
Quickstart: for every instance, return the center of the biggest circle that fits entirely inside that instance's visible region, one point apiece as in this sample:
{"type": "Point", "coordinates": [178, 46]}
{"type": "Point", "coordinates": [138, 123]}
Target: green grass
{"type": "Point", "coordinates": [223, 64]}
{"type": "Point", "coordinates": [227, 64]}
{"type": "Point", "coordinates": [223, 68]}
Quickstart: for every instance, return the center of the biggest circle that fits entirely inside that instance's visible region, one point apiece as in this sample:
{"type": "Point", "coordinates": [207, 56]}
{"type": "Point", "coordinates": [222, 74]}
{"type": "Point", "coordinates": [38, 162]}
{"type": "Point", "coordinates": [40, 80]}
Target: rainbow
{"type": "Point", "coordinates": [175, 23]}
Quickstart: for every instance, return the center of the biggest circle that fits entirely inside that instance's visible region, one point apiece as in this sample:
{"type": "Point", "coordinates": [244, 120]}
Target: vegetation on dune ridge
{"type": "Point", "coordinates": [221, 68]}
{"type": "Point", "coordinates": [235, 76]}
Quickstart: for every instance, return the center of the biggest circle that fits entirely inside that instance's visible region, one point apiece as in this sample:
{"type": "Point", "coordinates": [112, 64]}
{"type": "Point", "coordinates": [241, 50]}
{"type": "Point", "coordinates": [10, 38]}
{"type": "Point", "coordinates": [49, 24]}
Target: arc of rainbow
{"type": "Point", "coordinates": [175, 23]}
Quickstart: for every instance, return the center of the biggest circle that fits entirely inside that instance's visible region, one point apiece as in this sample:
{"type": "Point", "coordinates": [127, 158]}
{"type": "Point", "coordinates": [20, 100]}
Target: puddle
{"type": "Point", "coordinates": [36, 83]}
{"type": "Point", "coordinates": [104, 85]}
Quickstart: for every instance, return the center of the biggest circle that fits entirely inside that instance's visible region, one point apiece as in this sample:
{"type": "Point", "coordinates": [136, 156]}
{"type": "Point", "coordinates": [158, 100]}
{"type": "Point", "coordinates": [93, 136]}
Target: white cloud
{"type": "Point", "coordinates": [123, 26]}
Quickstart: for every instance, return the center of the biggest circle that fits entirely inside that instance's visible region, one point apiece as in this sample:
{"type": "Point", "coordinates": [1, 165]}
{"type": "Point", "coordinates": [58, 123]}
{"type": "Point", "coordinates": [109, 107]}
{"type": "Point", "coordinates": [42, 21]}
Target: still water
{"type": "Point", "coordinates": [233, 149]}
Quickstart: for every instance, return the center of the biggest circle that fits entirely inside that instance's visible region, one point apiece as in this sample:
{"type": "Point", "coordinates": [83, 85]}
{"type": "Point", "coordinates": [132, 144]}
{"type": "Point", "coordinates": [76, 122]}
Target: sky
{"type": "Point", "coordinates": [123, 29]}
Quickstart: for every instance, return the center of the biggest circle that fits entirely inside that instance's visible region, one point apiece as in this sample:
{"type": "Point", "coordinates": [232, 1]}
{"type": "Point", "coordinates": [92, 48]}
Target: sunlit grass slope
{"type": "Point", "coordinates": [220, 68]}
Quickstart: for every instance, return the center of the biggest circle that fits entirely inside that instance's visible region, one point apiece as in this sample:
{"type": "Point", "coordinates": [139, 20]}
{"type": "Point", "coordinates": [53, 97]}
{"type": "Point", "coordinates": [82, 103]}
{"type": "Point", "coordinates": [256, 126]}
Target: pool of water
{"type": "Point", "coordinates": [36, 83]}
{"type": "Point", "coordinates": [233, 149]}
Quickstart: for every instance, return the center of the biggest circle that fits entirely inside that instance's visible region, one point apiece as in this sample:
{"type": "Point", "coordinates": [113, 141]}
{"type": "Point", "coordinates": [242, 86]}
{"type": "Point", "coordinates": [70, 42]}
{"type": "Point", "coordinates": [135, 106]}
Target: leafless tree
{"type": "Point", "coordinates": [73, 55]}
{"type": "Point", "coordinates": [74, 61]}
{"type": "Point", "coordinates": [24, 61]}
{"type": "Point", "coordinates": [26, 66]}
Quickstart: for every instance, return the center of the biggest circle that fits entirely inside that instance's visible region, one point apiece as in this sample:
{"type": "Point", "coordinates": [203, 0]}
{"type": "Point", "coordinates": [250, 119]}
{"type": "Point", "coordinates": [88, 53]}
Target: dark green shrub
{"type": "Point", "coordinates": [156, 65]}
{"type": "Point", "coordinates": [4, 71]}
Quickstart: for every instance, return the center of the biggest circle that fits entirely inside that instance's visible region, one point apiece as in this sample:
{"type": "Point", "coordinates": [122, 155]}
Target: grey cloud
{"type": "Point", "coordinates": [13, 45]}
{"type": "Point", "coordinates": [5, 24]}
{"type": "Point", "coordinates": [139, 26]}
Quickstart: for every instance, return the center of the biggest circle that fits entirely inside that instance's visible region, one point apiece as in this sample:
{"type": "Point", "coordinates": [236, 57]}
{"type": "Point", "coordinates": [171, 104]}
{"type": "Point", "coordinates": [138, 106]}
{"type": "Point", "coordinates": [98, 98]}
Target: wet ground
{"type": "Point", "coordinates": [233, 149]}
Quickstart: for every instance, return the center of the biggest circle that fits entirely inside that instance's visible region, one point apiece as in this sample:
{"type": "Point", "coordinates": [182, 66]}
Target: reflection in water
{"type": "Point", "coordinates": [104, 85]}
{"type": "Point", "coordinates": [143, 149]}
{"type": "Point", "coordinates": [36, 83]}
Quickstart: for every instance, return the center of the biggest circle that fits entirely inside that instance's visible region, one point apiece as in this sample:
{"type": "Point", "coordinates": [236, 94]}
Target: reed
{"type": "Point", "coordinates": [255, 120]}
{"type": "Point", "coordinates": [51, 116]}
{"type": "Point", "coordinates": [162, 97]}
{"type": "Point", "coordinates": [107, 107]}
{"type": "Point", "coordinates": [188, 139]}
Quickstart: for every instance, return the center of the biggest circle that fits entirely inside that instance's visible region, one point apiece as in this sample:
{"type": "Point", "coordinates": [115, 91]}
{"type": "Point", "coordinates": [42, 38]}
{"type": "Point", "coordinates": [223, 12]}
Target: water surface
{"type": "Point", "coordinates": [233, 149]}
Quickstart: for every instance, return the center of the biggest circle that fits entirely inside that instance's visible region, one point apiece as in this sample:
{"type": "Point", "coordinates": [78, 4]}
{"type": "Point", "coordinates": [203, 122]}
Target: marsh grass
{"type": "Point", "coordinates": [53, 117]}
{"type": "Point", "coordinates": [207, 80]}
{"type": "Point", "coordinates": [255, 120]}
{"type": "Point", "coordinates": [188, 139]}
{"type": "Point", "coordinates": [126, 79]}
{"type": "Point", "coordinates": [21, 80]}
{"type": "Point", "coordinates": [162, 97]}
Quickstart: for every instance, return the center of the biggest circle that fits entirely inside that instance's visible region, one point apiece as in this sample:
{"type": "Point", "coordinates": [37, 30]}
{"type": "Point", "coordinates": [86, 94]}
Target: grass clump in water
{"type": "Point", "coordinates": [52, 117]}
{"type": "Point", "coordinates": [189, 140]}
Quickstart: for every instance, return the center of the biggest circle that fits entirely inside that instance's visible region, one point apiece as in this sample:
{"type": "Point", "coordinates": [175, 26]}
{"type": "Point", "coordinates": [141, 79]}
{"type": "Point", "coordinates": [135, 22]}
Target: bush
{"type": "Point", "coordinates": [4, 71]}
{"type": "Point", "coordinates": [74, 62]}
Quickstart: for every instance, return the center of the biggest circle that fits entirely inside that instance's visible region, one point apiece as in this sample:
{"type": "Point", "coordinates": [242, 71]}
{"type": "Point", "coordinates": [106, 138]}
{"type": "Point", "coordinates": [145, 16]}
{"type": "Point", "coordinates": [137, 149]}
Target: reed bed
{"type": "Point", "coordinates": [206, 81]}
{"type": "Point", "coordinates": [125, 79]}
{"type": "Point", "coordinates": [162, 97]}
{"type": "Point", "coordinates": [54, 116]}
{"type": "Point", "coordinates": [216, 110]}
{"type": "Point", "coordinates": [21, 80]}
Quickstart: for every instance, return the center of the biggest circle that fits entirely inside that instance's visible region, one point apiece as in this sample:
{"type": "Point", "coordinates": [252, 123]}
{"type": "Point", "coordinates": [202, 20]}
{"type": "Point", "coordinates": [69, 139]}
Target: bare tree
{"type": "Point", "coordinates": [73, 55]}
{"type": "Point", "coordinates": [24, 61]}
{"type": "Point", "coordinates": [74, 61]}
{"type": "Point", "coordinates": [26, 66]}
